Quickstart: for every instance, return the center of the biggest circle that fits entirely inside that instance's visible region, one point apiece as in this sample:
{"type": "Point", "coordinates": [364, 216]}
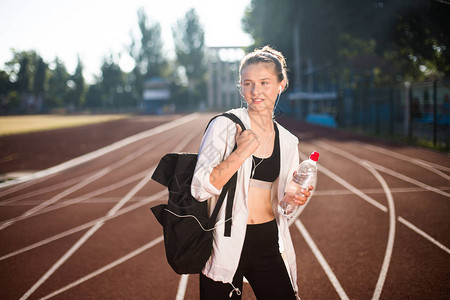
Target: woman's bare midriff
{"type": "Point", "coordinates": [259, 206]}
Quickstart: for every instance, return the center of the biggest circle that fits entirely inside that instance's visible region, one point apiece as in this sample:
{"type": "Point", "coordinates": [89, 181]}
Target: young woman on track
{"type": "Point", "coordinates": [260, 246]}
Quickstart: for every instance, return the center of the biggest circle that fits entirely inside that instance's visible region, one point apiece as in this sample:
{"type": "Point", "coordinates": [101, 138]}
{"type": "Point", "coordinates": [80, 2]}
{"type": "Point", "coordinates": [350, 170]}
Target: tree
{"type": "Point", "coordinates": [5, 83]}
{"type": "Point", "coordinates": [189, 38]}
{"type": "Point", "coordinates": [6, 88]}
{"type": "Point", "coordinates": [27, 72]}
{"type": "Point", "coordinates": [39, 82]}
{"type": "Point", "coordinates": [58, 88]}
{"type": "Point", "coordinates": [112, 83]}
{"type": "Point", "coordinates": [148, 54]}
{"type": "Point", "coordinates": [94, 96]}
{"type": "Point", "coordinates": [76, 84]}
{"type": "Point", "coordinates": [406, 33]}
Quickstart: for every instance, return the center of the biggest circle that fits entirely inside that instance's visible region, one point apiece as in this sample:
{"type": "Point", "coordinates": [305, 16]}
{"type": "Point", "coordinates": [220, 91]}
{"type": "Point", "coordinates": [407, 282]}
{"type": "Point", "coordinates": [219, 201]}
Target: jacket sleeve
{"type": "Point", "coordinates": [215, 146]}
{"type": "Point", "coordinates": [293, 163]}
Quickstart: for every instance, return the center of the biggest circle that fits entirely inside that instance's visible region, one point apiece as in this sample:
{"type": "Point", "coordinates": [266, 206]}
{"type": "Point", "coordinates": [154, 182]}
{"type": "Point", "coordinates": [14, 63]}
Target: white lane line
{"type": "Point", "coordinates": [44, 190]}
{"type": "Point", "coordinates": [82, 198]}
{"type": "Point", "coordinates": [353, 189]}
{"type": "Point", "coordinates": [22, 186]}
{"type": "Point", "coordinates": [410, 180]}
{"type": "Point", "coordinates": [385, 170]}
{"type": "Point", "coordinates": [106, 268]}
{"type": "Point", "coordinates": [428, 165]}
{"type": "Point", "coordinates": [375, 191]}
{"type": "Point", "coordinates": [77, 200]}
{"type": "Point", "coordinates": [423, 234]}
{"type": "Point", "coordinates": [71, 181]}
{"type": "Point", "coordinates": [182, 287]}
{"type": "Point", "coordinates": [85, 182]}
{"type": "Point", "coordinates": [91, 231]}
{"type": "Point", "coordinates": [92, 155]}
{"type": "Point", "coordinates": [44, 204]}
{"type": "Point", "coordinates": [391, 236]}
{"type": "Point", "coordinates": [86, 236]}
{"type": "Point", "coordinates": [87, 225]}
{"type": "Point", "coordinates": [384, 208]}
{"type": "Point", "coordinates": [322, 261]}
{"type": "Point", "coordinates": [392, 223]}
{"type": "Point", "coordinates": [68, 191]}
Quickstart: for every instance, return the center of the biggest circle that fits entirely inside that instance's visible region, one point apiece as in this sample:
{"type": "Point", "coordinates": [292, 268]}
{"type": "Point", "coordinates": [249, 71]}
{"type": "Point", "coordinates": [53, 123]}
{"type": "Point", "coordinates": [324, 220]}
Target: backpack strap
{"type": "Point", "coordinates": [229, 187]}
{"type": "Point", "coordinates": [230, 116]}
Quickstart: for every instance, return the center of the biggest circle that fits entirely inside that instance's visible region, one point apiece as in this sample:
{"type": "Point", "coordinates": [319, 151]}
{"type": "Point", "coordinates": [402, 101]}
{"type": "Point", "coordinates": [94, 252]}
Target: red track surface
{"type": "Point", "coordinates": [377, 226]}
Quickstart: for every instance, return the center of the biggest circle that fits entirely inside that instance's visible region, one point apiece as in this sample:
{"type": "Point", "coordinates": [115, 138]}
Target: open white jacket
{"type": "Point", "coordinates": [217, 144]}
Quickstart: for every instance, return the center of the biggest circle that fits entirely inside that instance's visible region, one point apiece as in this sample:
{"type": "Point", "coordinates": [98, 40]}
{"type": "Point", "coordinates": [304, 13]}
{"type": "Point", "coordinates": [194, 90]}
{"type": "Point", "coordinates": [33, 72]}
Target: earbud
{"type": "Point", "coordinates": [280, 90]}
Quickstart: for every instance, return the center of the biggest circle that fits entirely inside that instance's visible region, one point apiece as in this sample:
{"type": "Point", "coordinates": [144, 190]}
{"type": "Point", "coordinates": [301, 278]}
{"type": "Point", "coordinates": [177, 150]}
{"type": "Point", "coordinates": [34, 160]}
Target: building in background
{"type": "Point", "coordinates": [155, 96]}
{"type": "Point", "coordinates": [223, 66]}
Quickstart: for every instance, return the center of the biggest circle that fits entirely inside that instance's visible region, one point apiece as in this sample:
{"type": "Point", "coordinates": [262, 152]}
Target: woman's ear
{"type": "Point", "coordinates": [282, 86]}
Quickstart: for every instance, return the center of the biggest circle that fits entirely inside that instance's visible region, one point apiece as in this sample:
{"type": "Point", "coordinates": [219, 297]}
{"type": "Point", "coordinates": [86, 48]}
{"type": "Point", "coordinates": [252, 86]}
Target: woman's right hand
{"type": "Point", "coordinates": [247, 142]}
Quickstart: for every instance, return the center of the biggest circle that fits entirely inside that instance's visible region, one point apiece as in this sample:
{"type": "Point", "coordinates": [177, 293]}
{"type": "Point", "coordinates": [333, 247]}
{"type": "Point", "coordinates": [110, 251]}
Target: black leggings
{"type": "Point", "coordinates": [261, 263]}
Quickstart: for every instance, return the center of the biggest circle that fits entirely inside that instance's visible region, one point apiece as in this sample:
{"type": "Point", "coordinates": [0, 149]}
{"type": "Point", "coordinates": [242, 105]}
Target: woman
{"type": "Point", "coordinates": [260, 246]}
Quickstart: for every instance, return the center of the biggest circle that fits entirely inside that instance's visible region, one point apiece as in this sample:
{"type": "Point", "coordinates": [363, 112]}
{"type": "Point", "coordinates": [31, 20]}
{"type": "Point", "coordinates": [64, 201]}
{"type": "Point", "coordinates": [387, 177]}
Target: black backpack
{"type": "Point", "coordinates": [187, 226]}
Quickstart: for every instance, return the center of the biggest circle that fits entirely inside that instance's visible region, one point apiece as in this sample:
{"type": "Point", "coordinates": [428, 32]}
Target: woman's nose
{"type": "Point", "coordinates": [255, 90]}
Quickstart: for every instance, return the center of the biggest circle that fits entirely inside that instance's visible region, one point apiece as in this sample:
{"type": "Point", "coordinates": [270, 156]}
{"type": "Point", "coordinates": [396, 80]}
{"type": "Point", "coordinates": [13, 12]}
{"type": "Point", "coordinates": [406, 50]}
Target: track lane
{"type": "Point", "coordinates": [350, 232]}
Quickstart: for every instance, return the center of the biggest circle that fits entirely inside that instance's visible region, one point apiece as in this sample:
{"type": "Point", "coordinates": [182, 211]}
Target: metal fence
{"type": "Point", "coordinates": [418, 111]}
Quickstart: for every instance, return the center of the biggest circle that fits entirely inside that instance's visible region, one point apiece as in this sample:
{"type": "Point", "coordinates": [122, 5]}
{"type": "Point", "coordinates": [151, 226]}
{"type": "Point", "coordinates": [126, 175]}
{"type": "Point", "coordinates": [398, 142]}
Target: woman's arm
{"type": "Point", "coordinates": [247, 143]}
{"type": "Point", "coordinates": [216, 144]}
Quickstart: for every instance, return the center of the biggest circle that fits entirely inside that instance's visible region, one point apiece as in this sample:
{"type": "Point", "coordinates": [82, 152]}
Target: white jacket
{"type": "Point", "coordinates": [217, 144]}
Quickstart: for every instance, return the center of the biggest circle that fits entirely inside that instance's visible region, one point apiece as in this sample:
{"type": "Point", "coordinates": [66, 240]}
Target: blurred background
{"type": "Point", "coordinates": [375, 67]}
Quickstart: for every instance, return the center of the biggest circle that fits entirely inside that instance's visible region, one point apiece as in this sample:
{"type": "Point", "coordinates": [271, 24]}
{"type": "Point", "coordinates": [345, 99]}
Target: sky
{"type": "Point", "coordinates": [94, 29]}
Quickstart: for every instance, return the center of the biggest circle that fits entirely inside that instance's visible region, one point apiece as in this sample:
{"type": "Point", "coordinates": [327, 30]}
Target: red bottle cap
{"type": "Point", "coordinates": [314, 156]}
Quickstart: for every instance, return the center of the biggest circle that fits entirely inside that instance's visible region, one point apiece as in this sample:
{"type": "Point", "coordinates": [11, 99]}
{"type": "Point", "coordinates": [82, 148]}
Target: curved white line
{"type": "Point", "coordinates": [392, 218]}
{"type": "Point", "coordinates": [87, 225]}
{"type": "Point", "coordinates": [95, 176]}
{"type": "Point", "coordinates": [409, 179]}
{"type": "Point", "coordinates": [92, 231]}
{"type": "Point", "coordinates": [46, 189]}
{"type": "Point", "coordinates": [106, 268]}
{"type": "Point", "coordinates": [389, 171]}
{"type": "Point", "coordinates": [428, 165]}
{"type": "Point", "coordinates": [391, 235]}
{"type": "Point", "coordinates": [97, 153]}
{"type": "Point", "coordinates": [84, 197]}
{"type": "Point", "coordinates": [86, 236]}
{"type": "Point", "coordinates": [378, 205]}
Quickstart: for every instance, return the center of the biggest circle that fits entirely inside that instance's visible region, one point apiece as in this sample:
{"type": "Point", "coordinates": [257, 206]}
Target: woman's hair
{"type": "Point", "coordinates": [266, 55]}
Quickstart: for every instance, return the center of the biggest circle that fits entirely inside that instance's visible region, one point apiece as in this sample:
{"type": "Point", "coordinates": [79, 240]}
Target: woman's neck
{"type": "Point", "coordinates": [261, 120]}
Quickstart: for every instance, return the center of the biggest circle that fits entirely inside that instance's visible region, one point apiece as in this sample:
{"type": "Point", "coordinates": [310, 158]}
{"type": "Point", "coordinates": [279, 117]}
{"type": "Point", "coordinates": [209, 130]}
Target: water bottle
{"type": "Point", "coordinates": [305, 176]}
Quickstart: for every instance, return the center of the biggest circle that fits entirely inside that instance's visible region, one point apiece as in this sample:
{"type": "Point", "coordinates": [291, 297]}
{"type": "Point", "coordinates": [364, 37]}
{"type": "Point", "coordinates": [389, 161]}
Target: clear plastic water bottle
{"type": "Point", "coordinates": [306, 175]}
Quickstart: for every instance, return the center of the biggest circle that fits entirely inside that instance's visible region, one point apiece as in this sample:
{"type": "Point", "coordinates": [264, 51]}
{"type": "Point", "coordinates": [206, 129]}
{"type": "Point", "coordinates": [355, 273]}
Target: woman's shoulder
{"type": "Point", "coordinates": [219, 123]}
{"type": "Point", "coordinates": [286, 134]}
{"type": "Point", "coordinates": [222, 121]}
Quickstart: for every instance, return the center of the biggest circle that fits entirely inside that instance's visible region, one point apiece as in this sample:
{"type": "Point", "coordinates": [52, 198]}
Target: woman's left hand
{"type": "Point", "coordinates": [301, 199]}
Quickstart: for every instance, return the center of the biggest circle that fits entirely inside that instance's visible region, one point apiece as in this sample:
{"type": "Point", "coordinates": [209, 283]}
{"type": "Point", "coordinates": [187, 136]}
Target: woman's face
{"type": "Point", "coordinates": [260, 86]}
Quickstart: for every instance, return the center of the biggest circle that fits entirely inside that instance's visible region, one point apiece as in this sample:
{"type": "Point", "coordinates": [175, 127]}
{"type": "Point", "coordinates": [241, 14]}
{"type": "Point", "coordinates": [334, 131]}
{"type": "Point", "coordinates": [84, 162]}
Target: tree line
{"type": "Point", "coordinates": [388, 41]}
{"type": "Point", "coordinates": [29, 84]}
{"type": "Point", "coordinates": [383, 42]}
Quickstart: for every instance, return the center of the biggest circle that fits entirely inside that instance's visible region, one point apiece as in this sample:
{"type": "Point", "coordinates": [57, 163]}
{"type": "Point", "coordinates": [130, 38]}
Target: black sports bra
{"type": "Point", "coordinates": [269, 169]}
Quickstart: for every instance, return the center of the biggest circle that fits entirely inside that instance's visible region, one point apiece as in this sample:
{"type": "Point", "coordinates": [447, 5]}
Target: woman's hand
{"type": "Point", "coordinates": [247, 142]}
{"type": "Point", "coordinates": [301, 199]}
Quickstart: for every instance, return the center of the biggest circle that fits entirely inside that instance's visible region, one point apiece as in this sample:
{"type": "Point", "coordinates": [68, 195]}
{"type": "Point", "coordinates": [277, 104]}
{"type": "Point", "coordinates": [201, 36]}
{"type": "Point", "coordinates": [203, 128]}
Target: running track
{"type": "Point", "coordinates": [377, 226]}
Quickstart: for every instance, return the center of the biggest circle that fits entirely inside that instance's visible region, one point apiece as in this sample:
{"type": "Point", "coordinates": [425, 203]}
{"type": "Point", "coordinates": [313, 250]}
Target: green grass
{"type": "Point", "coordinates": [23, 124]}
